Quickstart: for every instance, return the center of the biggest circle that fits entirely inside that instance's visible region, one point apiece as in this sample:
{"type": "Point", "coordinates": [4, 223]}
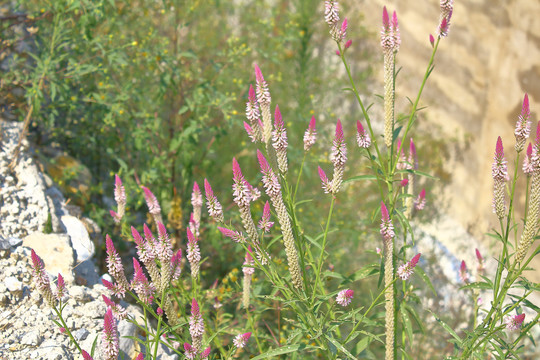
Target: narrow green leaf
{"type": "Point", "coordinates": [280, 351]}
{"type": "Point", "coordinates": [447, 328]}
{"type": "Point", "coordinates": [339, 346]}
{"type": "Point", "coordinates": [425, 278]}
{"type": "Point", "coordinates": [360, 177]}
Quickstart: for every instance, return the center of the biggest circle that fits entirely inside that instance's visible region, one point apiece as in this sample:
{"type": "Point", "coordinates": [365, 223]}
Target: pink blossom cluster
{"type": "Point", "coordinates": [240, 341]}
{"type": "Point", "coordinates": [390, 36]}
{"type": "Point", "coordinates": [405, 271]}
{"type": "Point", "coordinates": [310, 136]}
{"type": "Point", "coordinates": [214, 207]}
{"type": "Point", "coordinates": [344, 297]}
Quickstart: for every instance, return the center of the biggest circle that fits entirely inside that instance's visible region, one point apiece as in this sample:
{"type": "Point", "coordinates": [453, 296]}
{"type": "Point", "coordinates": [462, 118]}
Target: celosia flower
{"type": "Point", "coordinates": [253, 115]}
{"type": "Point", "coordinates": [324, 181]}
{"type": "Point", "coordinates": [197, 203]}
{"type": "Point", "coordinates": [109, 343]}
{"type": "Point", "coordinates": [343, 31]}
{"type": "Point", "coordinates": [338, 158]}
{"type": "Point", "coordinates": [60, 288]}
{"type": "Point", "coordinates": [527, 162]}
{"type": "Point", "coordinates": [242, 195]}
{"type": "Point", "coordinates": [164, 251]}
{"type": "Point", "coordinates": [403, 182]}
{"type": "Point", "coordinates": [119, 312]}
{"type": "Point", "coordinates": [431, 40]}
{"type": "Point", "coordinates": [205, 353]}
{"type": "Point", "coordinates": [140, 357]}
{"type": "Point", "coordinates": [402, 160]}
{"type": "Point", "coordinates": [514, 322]}
{"type": "Point", "coordinates": [480, 259]}
{"type": "Point", "coordinates": [265, 224]}
{"type": "Point", "coordinates": [190, 351]}
{"type": "Point", "coordinates": [264, 99]}
{"type": "Point", "coordinates": [253, 191]}
{"type": "Point", "coordinates": [151, 202]}
{"type": "Point", "coordinates": [420, 201]}
{"type": "Point", "coordinates": [348, 44]}
{"type": "Point", "coordinates": [310, 136]}
{"type": "Point", "coordinates": [499, 172]}
{"type": "Point", "coordinates": [270, 180]}
{"type": "Point", "coordinates": [240, 341]}
{"type": "Point", "coordinates": [234, 235]}
{"type": "Point", "coordinates": [390, 37]}
{"type": "Point", "coordinates": [115, 267]}
{"type": "Point", "coordinates": [344, 297]}
{"type": "Point", "coordinates": [214, 207]}
{"type": "Point", "coordinates": [176, 265]}
{"type": "Point", "coordinates": [120, 198]}
{"type": "Point", "coordinates": [115, 289]}
{"type": "Point", "coordinates": [395, 32]}
{"type": "Point", "coordinates": [250, 132]}
{"type": "Point", "coordinates": [444, 26]}
{"type": "Point", "coordinates": [387, 228]}
{"type": "Point", "coordinates": [86, 356]}
{"type": "Point", "coordinates": [144, 289]}
{"type": "Point", "coordinates": [413, 159]}
{"type": "Point", "coordinates": [279, 138]}
{"type": "Point", "coordinates": [463, 274]}
{"type": "Point", "coordinates": [378, 251]}
{"type": "Point", "coordinates": [62, 330]}
{"type": "Point", "coordinates": [159, 311]}
{"type": "Point", "coordinates": [523, 125]}
{"type": "Point", "coordinates": [196, 324]}
{"type": "Point", "coordinates": [41, 279]}
{"type": "Point", "coordinates": [248, 271]}
{"type": "Point", "coordinates": [248, 268]}
{"type": "Point", "coordinates": [405, 271]}
{"type": "Point", "coordinates": [362, 137]}
{"type": "Point", "coordinates": [146, 253]}
{"type": "Point", "coordinates": [193, 253]}
{"type": "Point", "coordinates": [331, 16]}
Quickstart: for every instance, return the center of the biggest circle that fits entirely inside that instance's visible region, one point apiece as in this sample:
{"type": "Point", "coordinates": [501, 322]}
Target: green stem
{"type": "Point", "coordinates": [321, 257]}
{"type": "Point", "coordinates": [59, 314]}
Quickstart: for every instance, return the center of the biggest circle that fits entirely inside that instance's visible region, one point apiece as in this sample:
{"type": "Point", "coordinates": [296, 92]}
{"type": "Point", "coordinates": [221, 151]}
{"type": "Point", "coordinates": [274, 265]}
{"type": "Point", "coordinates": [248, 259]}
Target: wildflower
{"type": "Point", "coordinates": [253, 115]}
{"type": "Point", "coordinates": [250, 132]}
{"type": "Point", "coordinates": [240, 341]}
{"type": "Point", "coordinates": [499, 172]}
{"type": "Point", "coordinates": [234, 235]}
{"type": "Point", "coordinates": [533, 210]}
{"type": "Point", "coordinates": [395, 33]}
{"type": "Point", "coordinates": [387, 38]}
{"type": "Point", "coordinates": [514, 322]}
{"type": "Point", "coordinates": [159, 311]}
{"type": "Point", "coordinates": [378, 251]}
{"type": "Point", "coordinates": [344, 297]}
{"type": "Point", "coordinates": [463, 274]}
{"type": "Point", "coordinates": [331, 16]}
{"type": "Point", "coordinates": [176, 265]}
{"type": "Point", "coordinates": [41, 279]}
{"type": "Point", "coordinates": [146, 253]}
{"type": "Point", "coordinates": [403, 182]}
{"type": "Point", "coordinates": [242, 196]}
{"type": "Point", "coordinates": [527, 162]}
{"type": "Point", "coordinates": [338, 157]}
{"type": "Point", "coordinates": [310, 136]}
{"type": "Point", "coordinates": [86, 356]}
{"type": "Point", "coordinates": [264, 99]}
{"type": "Point", "coordinates": [140, 357]}
{"type": "Point", "coordinates": [196, 325]}
{"type": "Point", "coordinates": [523, 125]}
{"type": "Point", "coordinates": [387, 228]}
{"type": "Point", "coordinates": [193, 254]}
{"type": "Point", "coordinates": [115, 267]}
{"type": "Point", "coordinates": [165, 254]}
{"type": "Point", "coordinates": [144, 289]}
{"type": "Point", "coordinates": [153, 205]}
{"type": "Point", "coordinates": [324, 180]}
{"type": "Point", "coordinates": [480, 259]}
{"type": "Point", "coordinates": [348, 44]}
{"type": "Point", "coordinates": [431, 40]}
{"type": "Point", "coordinates": [62, 330]}
{"type": "Point", "coordinates": [362, 137]}
{"type": "Point", "coordinates": [120, 198]}
{"type": "Point", "coordinates": [60, 288]}
{"type": "Point", "coordinates": [420, 201]}
{"type": "Point", "coordinates": [413, 158]}
{"type": "Point", "coordinates": [190, 351]}
{"type": "Point", "coordinates": [214, 207]}
{"type": "Point", "coordinates": [205, 353]}
{"type": "Point", "coordinates": [110, 345]}
{"type": "Point", "coordinates": [447, 8]}
{"type": "Point", "coordinates": [343, 31]}
{"type": "Point", "coordinates": [253, 191]}
{"type": "Point", "coordinates": [119, 311]}
{"type": "Point", "coordinates": [279, 138]}
{"type": "Point", "coordinates": [265, 224]}
{"type": "Point", "coordinates": [115, 289]}
{"type": "Point", "coordinates": [405, 271]}
{"type": "Point", "coordinates": [273, 190]}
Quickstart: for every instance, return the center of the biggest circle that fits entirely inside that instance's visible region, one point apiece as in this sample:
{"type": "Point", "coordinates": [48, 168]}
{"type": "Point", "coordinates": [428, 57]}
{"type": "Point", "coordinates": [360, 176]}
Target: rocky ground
{"type": "Point", "coordinates": [31, 205]}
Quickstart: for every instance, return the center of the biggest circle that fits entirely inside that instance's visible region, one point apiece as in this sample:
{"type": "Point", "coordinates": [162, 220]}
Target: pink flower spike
{"type": "Point", "coordinates": [86, 356]}
{"type": "Point", "coordinates": [263, 163]}
{"type": "Point", "coordinates": [140, 357]}
{"type": "Point", "coordinates": [118, 311]}
{"type": "Point", "coordinates": [527, 161]}
{"type": "Point", "coordinates": [344, 297]}
{"type": "Point", "coordinates": [324, 181]}
{"type": "Point", "coordinates": [420, 201]}
{"type": "Point", "coordinates": [196, 195]}
{"type": "Point", "coordinates": [514, 322]}
{"type": "Point", "coordinates": [208, 189]}
{"type": "Point", "coordinates": [478, 255]}
{"type": "Point", "coordinates": [114, 265]}
{"type": "Point", "coordinates": [205, 353]}
{"type": "Point", "coordinates": [251, 94]}
{"type": "Point", "coordinates": [190, 351]}
{"type": "Point", "coordinates": [362, 137]}
{"type": "Point", "coordinates": [196, 322]}
{"type": "Point", "coordinates": [338, 53]}
{"type": "Point", "coordinates": [151, 201]}
{"type": "Point", "coordinates": [110, 346]}
{"type": "Point", "coordinates": [240, 341]}
{"type": "Point", "coordinates": [404, 182]}
{"type": "Point", "coordinates": [310, 136]}
{"type": "Point", "coordinates": [237, 172]}
{"type": "Point", "coordinates": [343, 31]}
{"type": "Point", "coordinates": [234, 235]}
{"type": "Point", "coordinates": [265, 224]}
{"type": "Point", "coordinates": [339, 131]}
{"type": "Point", "coordinates": [258, 73]}
{"type": "Point", "coordinates": [431, 40]}
{"type": "Point", "coordinates": [60, 288]}
{"type": "Point", "coordinates": [119, 191]}
{"type": "Point", "coordinates": [278, 120]}
{"type": "Point", "coordinates": [248, 269]}
{"type": "Point", "coordinates": [463, 275]}
{"type": "Point", "coordinates": [62, 330]}
{"type": "Point", "coordinates": [385, 19]}
{"type": "Point", "coordinates": [395, 32]}
{"type": "Point", "coordinates": [191, 238]}
{"type": "Point", "coordinates": [250, 132]}
{"type": "Point", "coordinates": [405, 271]}
{"type": "Point", "coordinates": [387, 228]}
{"type": "Point", "coordinates": [263, 94]}
{"type": "Point", "coordinates": [348, 44]}
{"type": "Point", "coordinates": [413, 159]}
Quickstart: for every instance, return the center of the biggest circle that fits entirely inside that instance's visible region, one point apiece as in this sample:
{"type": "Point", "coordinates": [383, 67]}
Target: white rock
{"type": "Point", "coordinates": [80, 240]}
{"type": "Point", "coordinates": [12, 284]}
{"type": "Point", "coordinates": [31, 338]}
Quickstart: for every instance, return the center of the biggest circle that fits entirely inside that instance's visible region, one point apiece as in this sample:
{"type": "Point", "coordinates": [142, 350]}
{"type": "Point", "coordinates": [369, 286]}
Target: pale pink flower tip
{"type": "Point", "coordinates": [420, 201]}
{"type": "Point", "coordinates": [527, 162]}
{"type": "Point", "coordinates": [258, 73]}
{"type": "Point", "coordinates": [208, 188]}
{"type": "Point", "coordinates": [362, 137]}
{"type": "Point", "coordinates": [339, 131]}
{"type": "Point", "coordinates": [385, 19]}
{"type": "Point", "coordinates": [60, 287]}
{"type": "Point", "coordinates": [324, 180]}
{"type": "Point", "coordinates": [237, 172]}
{"type": "Point", "coordinates": [344, 297]}
{"type": "Point", "coordinates": [234, 235]}
{"type": "Point", "coordinates": [525, 112]}
{"type": "Point", "coordinates": [159, 311]}
{"type": "Point", "coordinates": [241, 340]}
{"type": "Point", "coordinates": [194, 307]}
{"type": "Point", "coordinates": [384, 212]}
{"type": "Point", "coordinates": [387, 228]}
{"type": "Point", "coordinates": [196, 189]}
{"type": "Point", "coordinates": [265, 224]}
{"type": "Point", "coordinates": [110, 345]}
{"type": "Point", "coordinates": [249, 131]}
{"type": "Point", "coordinates": [151, 201]}
{"type": "Point", "coordinates": [514, 322]}
{"type": "Point", "coordinates": [499, 150]}
{"type": "Point", "coordinates": [119, 191]}
{"type": "Point", "coordinates": [251, 95]}
{"type": "Point", "coordinates": [62, 330]}
{"type": "Point", "coordinates": [310, 136]}
{"type": "Point", "coordinates": [278, 120]}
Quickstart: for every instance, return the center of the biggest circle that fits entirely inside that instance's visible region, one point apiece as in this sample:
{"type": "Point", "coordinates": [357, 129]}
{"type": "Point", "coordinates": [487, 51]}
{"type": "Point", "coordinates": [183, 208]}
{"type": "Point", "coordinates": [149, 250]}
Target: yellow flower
{"type": "Point", "coordinates": [134, 43]}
